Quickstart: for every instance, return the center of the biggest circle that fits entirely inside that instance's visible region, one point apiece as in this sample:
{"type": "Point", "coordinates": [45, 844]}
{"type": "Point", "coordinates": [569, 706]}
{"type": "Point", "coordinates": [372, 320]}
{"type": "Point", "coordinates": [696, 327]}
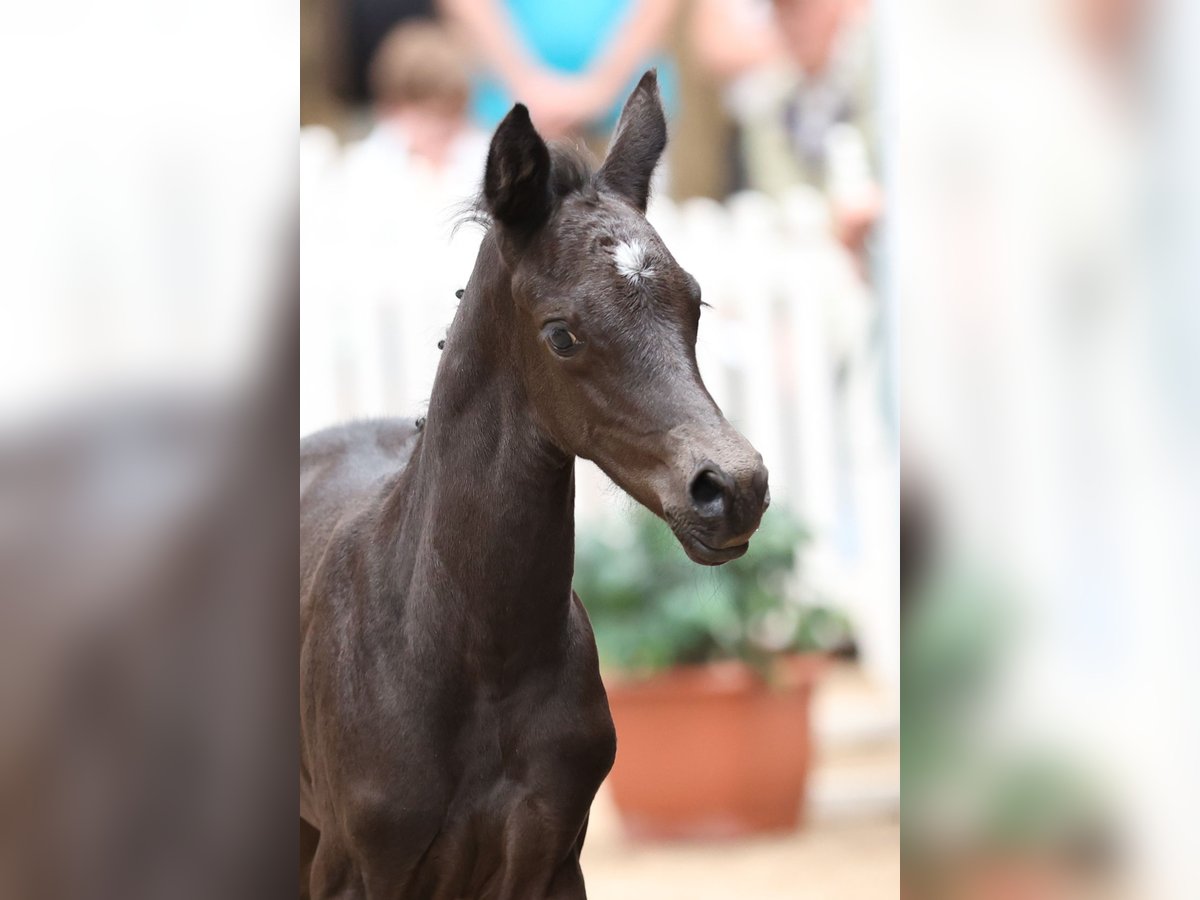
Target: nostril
{"type": "Point", "coordinates": [706, 488]}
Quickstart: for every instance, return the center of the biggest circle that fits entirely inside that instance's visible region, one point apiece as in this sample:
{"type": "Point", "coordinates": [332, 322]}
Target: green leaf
{"type": "Point", "coordinates": [652, 608]}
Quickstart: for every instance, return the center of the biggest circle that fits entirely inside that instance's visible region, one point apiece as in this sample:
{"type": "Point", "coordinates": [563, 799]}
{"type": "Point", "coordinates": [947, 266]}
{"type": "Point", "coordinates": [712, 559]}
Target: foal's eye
{"type": "Point", "coordinates": [561, 340]}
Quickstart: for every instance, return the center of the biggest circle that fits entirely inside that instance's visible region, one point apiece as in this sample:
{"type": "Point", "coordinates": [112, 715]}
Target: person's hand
{"type": "Point", "coordinates": [561, 104]}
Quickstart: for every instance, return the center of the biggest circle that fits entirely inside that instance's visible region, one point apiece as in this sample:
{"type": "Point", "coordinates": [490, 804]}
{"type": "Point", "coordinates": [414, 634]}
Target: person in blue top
{"type": "Point", "coordinates": [570, 61]}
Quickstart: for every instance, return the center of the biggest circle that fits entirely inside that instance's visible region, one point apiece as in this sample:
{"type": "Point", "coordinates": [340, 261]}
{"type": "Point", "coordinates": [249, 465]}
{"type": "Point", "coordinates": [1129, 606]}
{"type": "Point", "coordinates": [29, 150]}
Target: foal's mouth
{"type": "Point", "coordinates": [707, 555]}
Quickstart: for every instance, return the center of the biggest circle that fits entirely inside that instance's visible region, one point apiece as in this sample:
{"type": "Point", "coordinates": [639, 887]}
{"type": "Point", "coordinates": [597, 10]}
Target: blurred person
{"type": "Point", "coordinates": [385, 239]}
{"type": "Point", "coordinates": [571, 63]}
{"type": "Point", "coordinates": [420, 89]}
{"type": "Point", "coordinates": [353, 33]}
{"type": "Point", "coordinates": [734, 37]}
{"type": "Point", "coordinates": [799, 82]}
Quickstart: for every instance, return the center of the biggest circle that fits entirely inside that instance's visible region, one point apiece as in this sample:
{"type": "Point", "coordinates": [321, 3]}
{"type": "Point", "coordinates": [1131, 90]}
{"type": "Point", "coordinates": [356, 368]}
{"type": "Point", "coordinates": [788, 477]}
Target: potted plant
{"type": "Point", "coordinates": [709, 675]}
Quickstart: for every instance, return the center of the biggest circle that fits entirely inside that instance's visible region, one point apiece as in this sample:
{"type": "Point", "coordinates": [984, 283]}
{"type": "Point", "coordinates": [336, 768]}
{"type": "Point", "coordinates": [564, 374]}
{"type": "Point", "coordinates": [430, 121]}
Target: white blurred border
{"type": "Point", "coordinates": [148, 175]}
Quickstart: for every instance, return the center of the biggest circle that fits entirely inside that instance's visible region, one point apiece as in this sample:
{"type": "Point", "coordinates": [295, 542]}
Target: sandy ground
{"type": "Point", "coordinates": [849, 850]}
{"type": "Point", "coordinates": [836, 860]}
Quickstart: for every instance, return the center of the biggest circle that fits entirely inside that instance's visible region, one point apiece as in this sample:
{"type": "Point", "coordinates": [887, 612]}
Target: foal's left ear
{"type": "Point", "coordinates": [516, 182]}
{"type": "Point", "coordinates": [637, 143]}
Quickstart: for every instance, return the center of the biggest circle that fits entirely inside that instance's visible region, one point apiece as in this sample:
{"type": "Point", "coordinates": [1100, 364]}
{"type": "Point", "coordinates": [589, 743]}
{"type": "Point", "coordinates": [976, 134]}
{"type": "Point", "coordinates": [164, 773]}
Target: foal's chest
{"type": "Point", "coordinates": [521, 799]}
{"type": "Point", "coordinates": [551, 743]}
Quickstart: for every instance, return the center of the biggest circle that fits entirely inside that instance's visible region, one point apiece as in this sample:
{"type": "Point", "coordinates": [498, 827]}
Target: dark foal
{"type": "Point", "coordinates": [454, 728]}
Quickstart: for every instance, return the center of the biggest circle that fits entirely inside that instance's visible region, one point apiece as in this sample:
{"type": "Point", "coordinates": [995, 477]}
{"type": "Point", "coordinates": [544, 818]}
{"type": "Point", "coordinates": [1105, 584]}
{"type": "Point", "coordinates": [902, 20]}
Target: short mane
{"type": "Point", "coordinates": [572, 171]}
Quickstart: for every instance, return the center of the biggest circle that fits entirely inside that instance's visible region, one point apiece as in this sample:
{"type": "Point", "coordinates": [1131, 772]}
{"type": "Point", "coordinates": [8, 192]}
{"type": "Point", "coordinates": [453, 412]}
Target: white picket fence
{"type": "Point", "coordinates": [786, 349]}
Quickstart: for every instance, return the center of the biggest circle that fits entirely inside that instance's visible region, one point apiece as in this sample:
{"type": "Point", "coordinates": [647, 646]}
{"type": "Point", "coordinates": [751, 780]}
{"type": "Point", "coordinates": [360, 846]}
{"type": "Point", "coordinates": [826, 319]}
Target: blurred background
{"type": "Point", "coordinates": [963, 236]}
{"type": "Point", "coordinates": [995, 201]}
{"type": "Point", "coordinates": [770, 194]}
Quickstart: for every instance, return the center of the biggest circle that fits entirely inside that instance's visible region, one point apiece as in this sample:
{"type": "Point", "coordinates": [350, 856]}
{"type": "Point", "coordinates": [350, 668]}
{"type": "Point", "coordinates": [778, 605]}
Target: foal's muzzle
{"type": "Point", "coordinates": [725, 508]}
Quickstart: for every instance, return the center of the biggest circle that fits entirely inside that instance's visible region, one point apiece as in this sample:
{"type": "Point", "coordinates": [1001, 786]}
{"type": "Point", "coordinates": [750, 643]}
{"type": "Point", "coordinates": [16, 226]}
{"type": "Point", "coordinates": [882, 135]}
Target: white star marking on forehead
{"type": "Point", "coordinates": [632, 261]}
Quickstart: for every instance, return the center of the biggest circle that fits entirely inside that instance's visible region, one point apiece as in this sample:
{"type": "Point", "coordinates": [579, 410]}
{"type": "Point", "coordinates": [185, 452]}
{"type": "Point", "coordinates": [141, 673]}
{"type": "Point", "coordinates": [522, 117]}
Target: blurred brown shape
{"type": "Point", "coordinates": [147, 650]}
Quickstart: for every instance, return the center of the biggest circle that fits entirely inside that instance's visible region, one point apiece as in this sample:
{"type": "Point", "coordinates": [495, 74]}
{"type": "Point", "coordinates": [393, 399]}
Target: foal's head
{"type": "Point", "coordinates": [608, 325]}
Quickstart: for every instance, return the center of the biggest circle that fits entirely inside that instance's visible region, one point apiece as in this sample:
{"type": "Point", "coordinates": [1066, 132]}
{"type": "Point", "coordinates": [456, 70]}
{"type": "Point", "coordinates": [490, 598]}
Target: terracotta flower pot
{"type": "Point", "coordinates": [713, 751]}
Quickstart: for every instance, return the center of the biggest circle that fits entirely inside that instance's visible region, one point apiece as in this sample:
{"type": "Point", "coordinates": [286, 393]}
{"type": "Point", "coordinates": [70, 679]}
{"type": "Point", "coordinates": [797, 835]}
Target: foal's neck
{"type": "Point", "coordinates": [499, 499]}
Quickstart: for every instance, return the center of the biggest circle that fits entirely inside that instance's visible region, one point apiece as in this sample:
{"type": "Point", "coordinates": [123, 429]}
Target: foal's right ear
{"type": "Point", "coordinates": [516, 182]}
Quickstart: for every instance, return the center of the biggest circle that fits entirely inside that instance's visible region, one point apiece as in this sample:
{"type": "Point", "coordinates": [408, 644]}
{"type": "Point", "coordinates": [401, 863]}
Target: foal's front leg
{"type": "Point", "coordinates": [567, 883]}
{"type": "Point", "coordinates": [309, 839]}
{"type": "Point", "coordinates": [334, 875]}
{"type": "Point", "coordinates": [531, 872]}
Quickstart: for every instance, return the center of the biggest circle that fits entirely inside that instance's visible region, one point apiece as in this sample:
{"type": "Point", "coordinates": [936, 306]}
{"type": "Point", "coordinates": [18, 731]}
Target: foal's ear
{"type": "Point", "coordinates": [516, 182]}
{"type": "Point", "coordinates": [637, 143]}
